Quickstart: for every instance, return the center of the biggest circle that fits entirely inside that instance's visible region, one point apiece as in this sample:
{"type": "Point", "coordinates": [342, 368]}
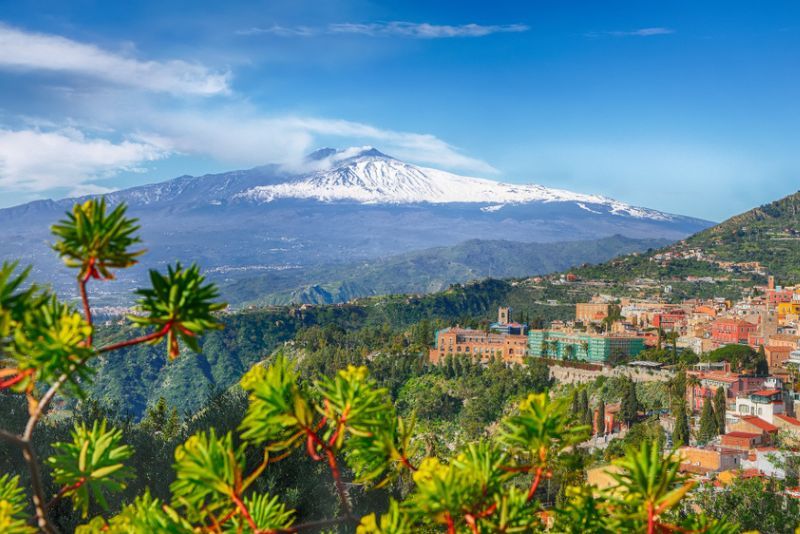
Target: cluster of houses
{"type": "Point", "coordinates": [761, 409]}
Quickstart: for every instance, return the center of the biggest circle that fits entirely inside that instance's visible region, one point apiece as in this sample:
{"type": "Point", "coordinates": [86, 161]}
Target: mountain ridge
{"type": "Point", "coordinates": [207, 219]}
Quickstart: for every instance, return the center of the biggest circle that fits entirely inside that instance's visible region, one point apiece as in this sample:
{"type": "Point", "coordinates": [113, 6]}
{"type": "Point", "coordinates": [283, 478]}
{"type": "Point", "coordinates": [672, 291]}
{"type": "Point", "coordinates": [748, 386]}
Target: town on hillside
{"type": "Point", "coordinates": [735, 364]}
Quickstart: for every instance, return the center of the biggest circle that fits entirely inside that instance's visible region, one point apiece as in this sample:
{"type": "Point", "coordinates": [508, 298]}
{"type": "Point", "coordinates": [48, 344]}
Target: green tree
{"type": "Point", "coordinates": [680, 433]}
{"type": "Point", "coordinates": [585, 410]}
{"type": "Point", "coordinates": [761, 365]}
{"type": "Point", "coordinates": [708, 423]}
{"type": "Point", "coordinates": [629, 408]}
{"type": "Point", "coordinates": [756, 504]}
{"type": "Point", "coordinates": [161, 420]}
{"type": "Point", "coordinates": [720, 407]}
{"type": "Point", "coordinates": [601, 418]}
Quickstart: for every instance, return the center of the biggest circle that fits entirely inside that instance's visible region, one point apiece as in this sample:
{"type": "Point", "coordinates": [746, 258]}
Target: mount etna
{"type": "Point", "coordinates": [348, 223]}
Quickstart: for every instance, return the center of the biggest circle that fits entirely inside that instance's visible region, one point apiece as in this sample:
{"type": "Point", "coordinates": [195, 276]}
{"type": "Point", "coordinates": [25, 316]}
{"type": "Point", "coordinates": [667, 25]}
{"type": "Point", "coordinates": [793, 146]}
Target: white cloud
{"type": "Point", "coordinates": [22, 50]}
{"type": "Point", "coordinates": [641, 32]}
{"type": "Point", "coordinates": [32, 160]}
{"type": "Point", "coordinates": [243, 138]}
{"type": "Point", "coordinates": [282, 31]}
{"type": "Point", "coordinates": [415, 30]}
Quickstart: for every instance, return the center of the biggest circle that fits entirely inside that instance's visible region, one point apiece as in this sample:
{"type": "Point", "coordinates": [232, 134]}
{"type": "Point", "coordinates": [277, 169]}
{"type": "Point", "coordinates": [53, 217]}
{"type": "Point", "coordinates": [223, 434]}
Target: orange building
{"type": "Point", "coordinates": [740, 441]}
{"type": "Point", "coordinates": [777, 354]}
{"type": "Point", "coordinates": [479, 344]}
{"type": "Point", "coordinates": [590, 312]}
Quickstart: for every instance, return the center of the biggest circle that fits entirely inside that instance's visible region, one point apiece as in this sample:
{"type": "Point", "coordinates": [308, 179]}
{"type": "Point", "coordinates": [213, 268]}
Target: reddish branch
{"type": "Point", "coordinates": [451, 526]}
{"type": "Point", "coordinates": [406, 463]}
{"type": "Point", "coordinates": [138, 340]}
{"type": "Point", "coordinates": [245, 512]}
{"type": "Point", "coordinates": [312, 441]}
{"type": "Point", "coordinates": [64, 490]}
{"type": "Point", "coordinates": [535, 484]}
{"type": "Point", "coordinates": [15, 379]}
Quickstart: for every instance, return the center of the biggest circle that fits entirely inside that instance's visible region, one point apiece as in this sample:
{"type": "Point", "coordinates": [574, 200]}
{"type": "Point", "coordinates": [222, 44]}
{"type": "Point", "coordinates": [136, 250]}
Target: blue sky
{"type": "Point", "coordinates": [688, 107]}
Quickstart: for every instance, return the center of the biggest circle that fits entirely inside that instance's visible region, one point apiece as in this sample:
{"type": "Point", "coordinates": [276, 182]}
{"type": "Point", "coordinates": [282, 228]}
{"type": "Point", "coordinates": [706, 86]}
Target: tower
{"type": "Point", "coordinates": [503, 315]}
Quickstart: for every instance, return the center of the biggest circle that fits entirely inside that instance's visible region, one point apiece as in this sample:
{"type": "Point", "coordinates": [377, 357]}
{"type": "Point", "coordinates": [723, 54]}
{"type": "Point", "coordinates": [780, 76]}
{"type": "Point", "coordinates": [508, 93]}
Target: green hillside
{"type": "Point", "coordinates": [427, 271]}
{"type": "Point", "coordinates": [136, 377]}
{"type": "Point", "coordinates": [768, 235]}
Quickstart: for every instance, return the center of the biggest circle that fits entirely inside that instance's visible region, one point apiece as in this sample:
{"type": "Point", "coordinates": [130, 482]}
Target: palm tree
{"type": "Point", "coordinates": [570, 351]}
{"type": "Point", "coordinates": [585, 348]}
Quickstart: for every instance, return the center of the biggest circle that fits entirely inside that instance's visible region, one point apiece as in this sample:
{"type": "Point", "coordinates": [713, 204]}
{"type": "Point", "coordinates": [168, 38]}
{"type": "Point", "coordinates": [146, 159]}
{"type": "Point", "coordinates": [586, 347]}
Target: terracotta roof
{"type": "Point", "coordinates": [760, 423]}
{"type": "Point", "coordinates": [750, 473]}
{"type": "Point", "coordinates": [690, 468]}
{"type": "Point", "coordinates": [790, 420]}
{"type": "Point", "coordinates": [738, 434]}
{"type": "Point", "coordinates": [766, 392]}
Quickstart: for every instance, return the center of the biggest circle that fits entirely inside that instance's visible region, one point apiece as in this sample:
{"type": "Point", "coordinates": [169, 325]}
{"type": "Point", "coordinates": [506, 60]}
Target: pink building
{"type": "Point", "coordinates": [727, 331]}
{"type": "Point", "coordinates": [734, 385]}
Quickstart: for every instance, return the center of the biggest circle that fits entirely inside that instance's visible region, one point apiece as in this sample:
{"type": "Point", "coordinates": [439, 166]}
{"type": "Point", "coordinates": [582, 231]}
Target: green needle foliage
{"type": "Point", "coordinates": [13, 516]}
{"type": "Point", "coordinates": [180, 306]}
{"type": "Point", "coordinates": [50, 342]}
{"type": "Point", "coordinates": [649, 486]}
{"type": "Point", "coordinates": [209, 471]}
{"type": "Point", "coordinates": [94, 241]}
{"type": "Point", "coordinates": [145, 514]}
{"type": "Point", "coordinates": [91, 464]}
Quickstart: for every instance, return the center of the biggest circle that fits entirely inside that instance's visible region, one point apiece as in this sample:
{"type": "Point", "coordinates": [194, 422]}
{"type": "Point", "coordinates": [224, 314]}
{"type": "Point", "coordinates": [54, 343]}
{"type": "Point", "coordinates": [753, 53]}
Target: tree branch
{"type": "Point", "coordinates": [38, 489]}
{"type": "Point", "coordinates": [87, 310]}
{"type": "Point", "coordinates": [136, 340]}
{"type": "Point", "coordinates": [12, 438]}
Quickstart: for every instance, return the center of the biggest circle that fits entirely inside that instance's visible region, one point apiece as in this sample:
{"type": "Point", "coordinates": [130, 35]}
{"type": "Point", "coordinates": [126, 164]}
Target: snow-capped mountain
{"type": "Point", "coordinates": [339, 207]}
{"type": "Point", "coordinates": [370, 177]}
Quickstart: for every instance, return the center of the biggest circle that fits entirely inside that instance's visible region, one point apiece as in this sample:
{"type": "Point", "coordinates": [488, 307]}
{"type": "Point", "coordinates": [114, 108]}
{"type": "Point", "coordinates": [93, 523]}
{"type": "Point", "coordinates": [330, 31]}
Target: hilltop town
{"type": "Point", "coordinates": [730, 367]}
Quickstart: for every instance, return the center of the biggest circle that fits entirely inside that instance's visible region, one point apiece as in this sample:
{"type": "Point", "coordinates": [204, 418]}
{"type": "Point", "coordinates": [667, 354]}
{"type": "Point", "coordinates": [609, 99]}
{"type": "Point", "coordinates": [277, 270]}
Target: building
{"type": "Point", "coordinates": [479, 345]}
{"type": "Point", "coordinates": [755, 425]}
{"type": "Point", "coordinates": [671, 321]}
{"type": "Point", "coordinates": [714, 376]}
{"type": "Point", "coordinates": [767, 461]}
{"type": "Point", "coordinates": [728, 331]}
{"type": "Point", "coordinates": [505, 325]}
{"type": "Point", "coordinates": [765, 403]}
{"type": "Point", "coordinates": [740, 441]}
{"type": "Point", "coordinates": [789, 428]}
{"type": "Point", "coordinates": [591, 312]}
{"type": "Point", "coordinates": [565, 345]}
{"type": "Point", "coordinates": [709, 459]}
{"type": "Point", "coordinates": [777, 354]}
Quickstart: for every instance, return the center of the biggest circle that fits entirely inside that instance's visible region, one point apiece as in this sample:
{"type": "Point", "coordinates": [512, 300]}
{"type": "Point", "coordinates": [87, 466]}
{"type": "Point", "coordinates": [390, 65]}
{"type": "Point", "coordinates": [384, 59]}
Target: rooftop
{"type": "Point", "coordinates": [766, 392]}
{"type": "Point", "coordinates": [788, 419]}
{"type": "Point", "coordinates": [739, 434]}
{"type": "Point", "coordinates": [760, 423]}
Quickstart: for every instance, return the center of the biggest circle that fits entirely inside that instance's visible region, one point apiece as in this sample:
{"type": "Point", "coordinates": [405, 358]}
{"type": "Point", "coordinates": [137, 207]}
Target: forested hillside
{"type": "Point", "coordinates": [427, 270]}
{"type": "Point", "coordinates": [138, 376]}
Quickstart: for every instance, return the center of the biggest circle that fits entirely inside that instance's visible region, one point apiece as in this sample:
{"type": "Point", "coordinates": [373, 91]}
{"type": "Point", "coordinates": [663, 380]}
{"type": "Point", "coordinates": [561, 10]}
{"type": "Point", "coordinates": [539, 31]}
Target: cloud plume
{"type": "Point", "coordinates": [23, 50]}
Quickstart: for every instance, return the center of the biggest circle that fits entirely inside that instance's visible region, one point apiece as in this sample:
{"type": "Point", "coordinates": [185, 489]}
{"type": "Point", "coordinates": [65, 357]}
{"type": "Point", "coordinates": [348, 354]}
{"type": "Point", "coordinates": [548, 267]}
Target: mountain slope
{"type": "Point", "coordinates": [764, 240]}
{"type": "Point", "coordinates": [428, 270]}
{"type": "Point", "coordinates": [341, 207]}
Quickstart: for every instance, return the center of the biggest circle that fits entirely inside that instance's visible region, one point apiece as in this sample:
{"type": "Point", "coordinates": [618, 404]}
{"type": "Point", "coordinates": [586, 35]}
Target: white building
{"type": "Point", "coordinates": [765, 403]}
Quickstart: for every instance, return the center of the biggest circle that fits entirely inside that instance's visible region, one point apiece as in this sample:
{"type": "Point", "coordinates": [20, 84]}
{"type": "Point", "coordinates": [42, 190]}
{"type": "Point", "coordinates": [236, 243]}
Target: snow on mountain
{"type": "Point", "coordinates": [367, 176]}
